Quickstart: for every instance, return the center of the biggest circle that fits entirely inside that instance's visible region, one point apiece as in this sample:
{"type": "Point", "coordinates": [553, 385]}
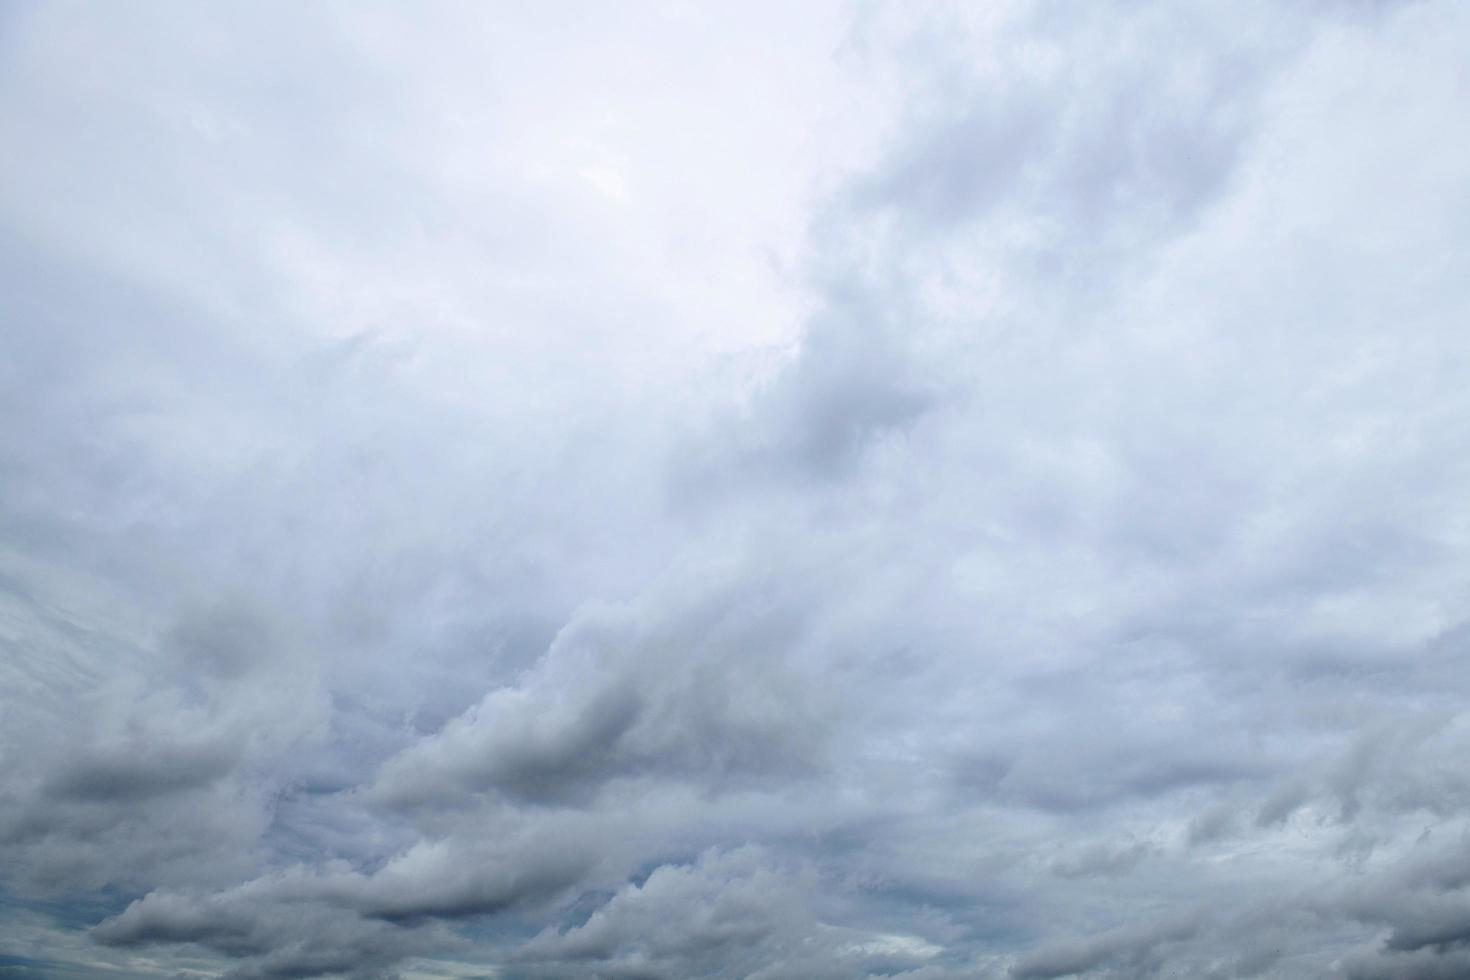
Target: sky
{"type": "Point", "coordinates": [944, 491]}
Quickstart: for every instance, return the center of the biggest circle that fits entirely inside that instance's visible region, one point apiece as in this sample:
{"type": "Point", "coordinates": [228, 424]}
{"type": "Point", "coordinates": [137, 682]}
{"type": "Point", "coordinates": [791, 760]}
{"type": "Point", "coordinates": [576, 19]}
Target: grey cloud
{"type": "Point", "coordinates": [734, 913]}
{"type": "Point", "coordinates": [1101, 859]}
{"type": "Point", "coordinates": [960, 492]}
{"type": "Point", "coordinates": [143, 770]}
{"type": "Point", "coordinates": [849, 388]}
{"type": "Point", "coordinates": [961, 164]}
{"type": "Point", "coordinates": [1428, 965]}
{"type": "Point", "coordinates": [1130, 950]}
{"type": "Point", "coordinates": [704, 691]}
{"type": "Point", "coordinates": [1424, 902]}
{"type": "Point", "coordinates": [150, 770]}
{"type": "Point", "coordinates": [338, 920]}
{"type": "Point", "coordinates": [266, 939]}
{"type": "Point", "coordinates": [1072, 130]}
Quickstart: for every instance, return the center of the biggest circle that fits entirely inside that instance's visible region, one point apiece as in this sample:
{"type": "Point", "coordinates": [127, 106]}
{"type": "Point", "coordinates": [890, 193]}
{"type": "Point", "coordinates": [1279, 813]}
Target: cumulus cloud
{"type": "Point", "coordinates": [836, 490]}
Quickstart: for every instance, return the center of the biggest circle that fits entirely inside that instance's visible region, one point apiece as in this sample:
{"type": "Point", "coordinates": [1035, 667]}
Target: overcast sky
{"type": "Point", "coordinates": [774, 490]}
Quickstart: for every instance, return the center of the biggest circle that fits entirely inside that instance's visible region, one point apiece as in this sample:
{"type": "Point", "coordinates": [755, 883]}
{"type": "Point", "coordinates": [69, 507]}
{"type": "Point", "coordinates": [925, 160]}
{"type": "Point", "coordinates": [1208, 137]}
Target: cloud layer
{"type": "Point", "coordinates": [845, 491]}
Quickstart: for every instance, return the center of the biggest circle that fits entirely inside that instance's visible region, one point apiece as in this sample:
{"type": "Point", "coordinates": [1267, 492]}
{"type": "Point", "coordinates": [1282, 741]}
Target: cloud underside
{"type": "Point", "coordinates": [837, 492]}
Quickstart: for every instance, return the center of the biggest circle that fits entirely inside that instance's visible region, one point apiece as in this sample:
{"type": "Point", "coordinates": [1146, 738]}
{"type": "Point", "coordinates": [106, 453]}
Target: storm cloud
{"type": "Point", "coordinates": [774, 491]}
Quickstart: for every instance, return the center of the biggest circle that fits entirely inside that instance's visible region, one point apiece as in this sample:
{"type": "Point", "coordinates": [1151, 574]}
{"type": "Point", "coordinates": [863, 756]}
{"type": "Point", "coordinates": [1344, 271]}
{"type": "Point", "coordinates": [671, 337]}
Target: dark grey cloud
{"type": "Point", "coordinates": [849, 491]}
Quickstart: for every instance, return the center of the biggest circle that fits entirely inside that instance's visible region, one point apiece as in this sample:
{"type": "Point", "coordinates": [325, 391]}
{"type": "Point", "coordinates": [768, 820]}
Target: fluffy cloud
{"type": "Point", "coordinates": [844, 491]}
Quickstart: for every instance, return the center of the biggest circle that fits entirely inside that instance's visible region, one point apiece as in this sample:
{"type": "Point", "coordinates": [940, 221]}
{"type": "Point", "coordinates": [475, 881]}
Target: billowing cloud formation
{"type": "Point", "coordinates": [840, 491]}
